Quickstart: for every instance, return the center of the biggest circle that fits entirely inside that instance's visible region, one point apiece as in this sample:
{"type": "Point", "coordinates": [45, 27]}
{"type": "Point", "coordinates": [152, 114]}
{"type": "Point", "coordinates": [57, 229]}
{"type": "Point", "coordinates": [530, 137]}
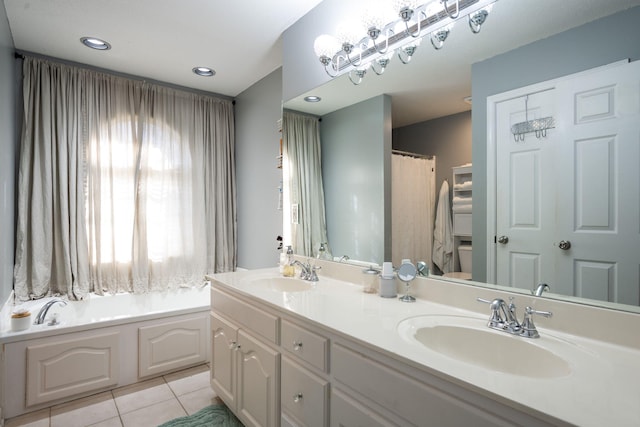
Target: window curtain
{"type": "Point", "coordinates": [154, 184]}
{"type": "Point", "coordinates": [302, 173]}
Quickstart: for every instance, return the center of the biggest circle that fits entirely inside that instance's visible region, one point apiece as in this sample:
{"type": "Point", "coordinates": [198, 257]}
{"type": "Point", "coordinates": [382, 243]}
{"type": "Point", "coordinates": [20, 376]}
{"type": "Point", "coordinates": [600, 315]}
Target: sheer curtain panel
{"type": "Point", "coordinates": [302, 176]}
{"type": "Point", "coordinates": [157, 185]}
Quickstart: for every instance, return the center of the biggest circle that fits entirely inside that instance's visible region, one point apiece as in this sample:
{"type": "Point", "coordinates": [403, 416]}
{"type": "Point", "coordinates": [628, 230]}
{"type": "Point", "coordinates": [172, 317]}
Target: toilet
{"type": "Point", "coordinates": [464, 255]}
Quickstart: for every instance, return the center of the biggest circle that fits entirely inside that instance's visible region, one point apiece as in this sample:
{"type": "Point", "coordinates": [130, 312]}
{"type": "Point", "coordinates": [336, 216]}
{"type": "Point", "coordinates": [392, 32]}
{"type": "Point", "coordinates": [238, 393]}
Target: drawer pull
{"type": "Point", "coordinates": [297, 397]}
{"type": "Point", "coordinates": [297, 345]}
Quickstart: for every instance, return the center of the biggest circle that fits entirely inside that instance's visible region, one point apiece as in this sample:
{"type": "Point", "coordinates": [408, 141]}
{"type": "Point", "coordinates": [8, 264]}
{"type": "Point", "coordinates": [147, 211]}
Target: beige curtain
{"type": "Point", "coordinates": [302, 173]}
{"type": "Point", "coordinates": [158, 173]}
{"type": "Point", "coordinates": [413, 194]}
{"type": "Point", "coordinates": [51, 240]}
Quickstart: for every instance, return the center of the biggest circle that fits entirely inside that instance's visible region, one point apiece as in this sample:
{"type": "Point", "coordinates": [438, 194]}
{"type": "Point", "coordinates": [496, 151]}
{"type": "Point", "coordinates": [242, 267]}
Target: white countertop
{"type": "Point", "coordinates": [602, 389]}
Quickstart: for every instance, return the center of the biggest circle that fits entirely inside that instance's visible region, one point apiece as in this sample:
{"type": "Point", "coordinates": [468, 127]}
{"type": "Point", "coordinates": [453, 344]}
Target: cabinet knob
{"type": "Point", "coordinates": [297, 345]}
{"type": "Point", "coordinates": [297, 397]}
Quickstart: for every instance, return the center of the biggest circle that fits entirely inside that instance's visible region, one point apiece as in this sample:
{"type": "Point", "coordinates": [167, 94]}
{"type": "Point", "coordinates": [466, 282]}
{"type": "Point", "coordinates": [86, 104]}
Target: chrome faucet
{"type": "Point", "coordinates": [540, 289]}
{"type": "Point", "coordinates": [308, 272]}
{"type": "Point", "coordinates": [503, 318]}
{"type": "Point", "coordinates": [42, 314]}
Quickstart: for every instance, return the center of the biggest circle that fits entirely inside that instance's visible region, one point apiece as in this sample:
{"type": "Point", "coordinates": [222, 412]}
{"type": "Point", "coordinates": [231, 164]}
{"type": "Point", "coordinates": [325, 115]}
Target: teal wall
{"type": "Point", "coordinates": [9, 130]}
{"type": "Point", "coordinates": [356, 169]}
{"type": "Point", "coordinates": [257, 112]}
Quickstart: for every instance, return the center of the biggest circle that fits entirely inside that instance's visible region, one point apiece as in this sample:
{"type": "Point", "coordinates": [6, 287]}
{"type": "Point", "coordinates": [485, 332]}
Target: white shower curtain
{"type": "Point", "coordinates": [413, 192]}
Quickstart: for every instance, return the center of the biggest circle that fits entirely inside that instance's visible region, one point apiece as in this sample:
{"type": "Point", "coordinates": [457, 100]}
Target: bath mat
{"type": "Point", "coordinates": [211, 416]}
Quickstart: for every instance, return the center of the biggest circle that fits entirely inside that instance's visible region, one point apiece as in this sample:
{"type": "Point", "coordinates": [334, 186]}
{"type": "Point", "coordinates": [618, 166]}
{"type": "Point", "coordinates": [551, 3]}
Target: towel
{"type": "Point", "coordinates": [443, 232]}
{"type": "Point", "coordinates": [462, 208]}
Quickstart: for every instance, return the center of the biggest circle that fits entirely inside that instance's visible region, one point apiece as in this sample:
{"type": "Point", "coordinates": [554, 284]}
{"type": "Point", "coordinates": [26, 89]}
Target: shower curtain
{"type": "Point", "coordinates": [413, 193]}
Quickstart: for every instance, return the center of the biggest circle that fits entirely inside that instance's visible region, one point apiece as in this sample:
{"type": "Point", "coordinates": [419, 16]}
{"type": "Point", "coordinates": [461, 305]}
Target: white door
{"type": "Point", "coordinates": [597, 186]}
{"type": "Point", "coordinates": [524, 215]}
{"type": "Point", "coordinates": [569, 202]}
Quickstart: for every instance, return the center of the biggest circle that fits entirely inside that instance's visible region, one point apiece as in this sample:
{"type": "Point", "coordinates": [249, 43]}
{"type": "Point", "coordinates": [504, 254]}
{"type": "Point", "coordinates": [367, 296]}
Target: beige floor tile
{"type": "Point", "coordinates": [199, 399]}
{"type": "Point", "coordinates": [85, 411]}
{"type": "Point", "coordinates": [111, 422]}
{"type": "Point", "coordinates": [140, 395]}
{"type": "Point", "coordinates": [189, 380]}
{"type": "Point", "coordinates": [32, 419]}
{"type": "Point", "coordinates": [154, 415]}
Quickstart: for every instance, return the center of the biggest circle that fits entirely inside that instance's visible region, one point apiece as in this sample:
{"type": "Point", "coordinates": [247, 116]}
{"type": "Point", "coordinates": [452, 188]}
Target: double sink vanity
{"type": "Point", "coordinates": [288, 352]}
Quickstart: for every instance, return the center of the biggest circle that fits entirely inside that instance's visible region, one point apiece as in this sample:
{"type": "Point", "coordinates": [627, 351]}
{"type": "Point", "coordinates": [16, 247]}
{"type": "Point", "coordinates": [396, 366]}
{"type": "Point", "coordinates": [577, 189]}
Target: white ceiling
{"type": "Point", "coordinates": [162, 39]}
{"type": "Point", "coordinates": [241, 39]}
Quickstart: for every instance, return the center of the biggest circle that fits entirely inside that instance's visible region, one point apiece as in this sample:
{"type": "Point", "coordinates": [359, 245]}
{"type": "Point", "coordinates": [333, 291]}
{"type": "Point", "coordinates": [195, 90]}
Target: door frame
{"type": "Point", "coordinates": [492, 102]}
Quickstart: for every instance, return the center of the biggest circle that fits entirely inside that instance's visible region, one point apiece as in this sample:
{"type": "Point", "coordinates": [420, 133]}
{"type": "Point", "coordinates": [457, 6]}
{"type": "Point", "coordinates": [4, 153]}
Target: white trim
{"type": "Point", "coordinates": [492, 102]}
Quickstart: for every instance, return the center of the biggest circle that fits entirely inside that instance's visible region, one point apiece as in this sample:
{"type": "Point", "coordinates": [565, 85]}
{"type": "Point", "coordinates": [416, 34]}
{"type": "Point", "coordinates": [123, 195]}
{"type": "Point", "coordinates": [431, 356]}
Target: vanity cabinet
{"type": "Point", "coordinates": [310, 375]}
{"type": "Point", "coordinates": [245, 370]}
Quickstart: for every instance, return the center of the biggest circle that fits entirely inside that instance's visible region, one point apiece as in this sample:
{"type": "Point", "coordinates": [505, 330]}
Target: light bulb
{"type": "Point", "coordinates": [326, 45]}
{"type": "Point", "coordinates": [377, 14]}
{"type": "Point", "coordinates": [350, 32]}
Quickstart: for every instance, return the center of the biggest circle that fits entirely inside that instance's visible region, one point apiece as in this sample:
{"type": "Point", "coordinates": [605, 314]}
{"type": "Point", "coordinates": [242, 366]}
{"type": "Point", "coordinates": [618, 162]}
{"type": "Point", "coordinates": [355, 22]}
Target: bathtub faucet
{"type": "Point", "coordinates": [42, 314]}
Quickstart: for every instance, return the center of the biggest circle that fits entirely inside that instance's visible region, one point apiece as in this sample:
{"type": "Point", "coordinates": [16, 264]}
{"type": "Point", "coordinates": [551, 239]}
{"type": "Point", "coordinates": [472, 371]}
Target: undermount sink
{"type": "Point", "coordinates": [469, 340]}
{"type": "Point", "coordinates": [284, 284]}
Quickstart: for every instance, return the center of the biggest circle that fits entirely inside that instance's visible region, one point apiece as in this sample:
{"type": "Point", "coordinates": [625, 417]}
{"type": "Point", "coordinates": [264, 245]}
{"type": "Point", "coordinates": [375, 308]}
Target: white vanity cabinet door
{"type": "Point", "coordinates": [224, 336]}
{"type": "Point", "coordinates": [304, 395]}
{"type": "Point", "coordinates": [258, 382]}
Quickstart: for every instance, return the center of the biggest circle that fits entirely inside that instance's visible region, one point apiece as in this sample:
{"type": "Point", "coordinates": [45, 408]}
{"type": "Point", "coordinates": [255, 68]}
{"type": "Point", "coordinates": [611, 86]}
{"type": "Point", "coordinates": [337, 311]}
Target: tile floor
{"type": "Point", "coordinates": [145, 404]}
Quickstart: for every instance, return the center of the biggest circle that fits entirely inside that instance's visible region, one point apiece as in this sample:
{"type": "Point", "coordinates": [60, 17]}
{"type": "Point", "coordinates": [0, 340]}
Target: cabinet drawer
{"type": "Point", "coordinates": [347, 412]}
{"type": "Point", "coordinates": [409, 399]}
{"type": "Point", "coordinates": [252, 318]}
{"type": "Point", "coordinates": [304, 396]}
{"type": "Point", "coordinates": [305, 344]}
{"type": "Point", "coordinates": [462, 224]}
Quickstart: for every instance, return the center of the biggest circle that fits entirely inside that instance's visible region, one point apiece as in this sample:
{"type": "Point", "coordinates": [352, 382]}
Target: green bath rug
{"type": "Point", "coordinates": [211, 416]}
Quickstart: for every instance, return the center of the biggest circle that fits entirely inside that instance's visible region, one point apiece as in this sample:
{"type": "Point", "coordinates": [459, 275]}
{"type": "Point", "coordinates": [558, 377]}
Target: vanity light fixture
{"type": "Point", "coordinates": [406, 24]}
{"type": "Point", "coordinates": [203, 71]}
{"type": "Point", "coordinates": [312, 98]}
{"type": "Point", "coordinates": [95, 43]}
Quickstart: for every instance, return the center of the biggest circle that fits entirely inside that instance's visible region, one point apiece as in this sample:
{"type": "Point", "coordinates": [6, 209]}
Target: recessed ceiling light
{"type": "Point", "coordinates": [312, 98]}
{"type": "Point", "coordinates": [203, 71]}
{"type": "Point", "coordinates": [95, 43]}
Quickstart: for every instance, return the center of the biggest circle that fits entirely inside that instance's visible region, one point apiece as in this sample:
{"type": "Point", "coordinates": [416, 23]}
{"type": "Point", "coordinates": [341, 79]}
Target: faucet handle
{"type": "Point", "coordinates": [313, 275]}
{"type": "Point", "coordinates": [528, 329]}
{"type": "Point", "coordinates": [496, 321]}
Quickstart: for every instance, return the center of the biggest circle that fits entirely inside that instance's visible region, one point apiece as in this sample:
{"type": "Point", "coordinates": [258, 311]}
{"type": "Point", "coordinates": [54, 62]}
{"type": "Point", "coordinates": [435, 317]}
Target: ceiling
{"type": "Point", "coordinates": [241, 40]}
{"type": "Point", "coordinates": [162, 39]}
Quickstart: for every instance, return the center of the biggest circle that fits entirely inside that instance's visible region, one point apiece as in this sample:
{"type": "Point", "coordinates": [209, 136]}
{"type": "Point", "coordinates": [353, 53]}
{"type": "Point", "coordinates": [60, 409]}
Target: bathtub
{"type": "Point", "coordinates": [99, 344]}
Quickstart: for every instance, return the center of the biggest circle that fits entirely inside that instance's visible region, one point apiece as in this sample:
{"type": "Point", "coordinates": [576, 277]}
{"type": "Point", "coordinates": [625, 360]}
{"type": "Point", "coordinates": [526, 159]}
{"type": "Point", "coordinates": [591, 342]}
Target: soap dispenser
{"type": "Point", "coordinates": [288, 270]}
{"type": "Point", "coordinates": [323, 252]}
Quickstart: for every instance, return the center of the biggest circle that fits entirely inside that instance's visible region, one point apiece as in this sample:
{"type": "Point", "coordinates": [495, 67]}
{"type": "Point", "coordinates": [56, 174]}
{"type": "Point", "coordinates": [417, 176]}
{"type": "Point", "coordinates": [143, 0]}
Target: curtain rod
{"type": "Point", "coordinates": [416, 155]}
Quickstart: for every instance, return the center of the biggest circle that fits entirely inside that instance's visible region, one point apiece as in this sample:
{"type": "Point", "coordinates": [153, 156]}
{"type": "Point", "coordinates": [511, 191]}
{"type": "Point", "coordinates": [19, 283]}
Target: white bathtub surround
{"type": "Point", "coordinates": [155, 401]}
{"type": "Point", "coordinates": [601, 347]}
{"type": "Point", "coordinates": [101, 343]}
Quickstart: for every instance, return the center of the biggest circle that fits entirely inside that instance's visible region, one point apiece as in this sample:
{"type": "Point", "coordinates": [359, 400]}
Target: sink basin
{"type": "Point", "coordinates": [283, 284]}
{"type": "Point", "coordinates": [469, 340]}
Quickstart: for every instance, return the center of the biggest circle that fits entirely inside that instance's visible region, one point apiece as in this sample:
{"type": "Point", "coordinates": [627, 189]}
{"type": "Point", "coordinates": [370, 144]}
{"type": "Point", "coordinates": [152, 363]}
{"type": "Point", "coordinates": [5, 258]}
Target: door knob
{"type": "Point", "coordinates": [503, 240]}
{"type": "Point", "coordinates": [564, 245]}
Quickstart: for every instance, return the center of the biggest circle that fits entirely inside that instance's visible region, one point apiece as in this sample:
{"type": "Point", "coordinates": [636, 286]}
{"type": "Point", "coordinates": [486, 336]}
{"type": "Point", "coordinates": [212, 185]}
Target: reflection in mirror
{"type": "Point", "coordinates": [514, 64]}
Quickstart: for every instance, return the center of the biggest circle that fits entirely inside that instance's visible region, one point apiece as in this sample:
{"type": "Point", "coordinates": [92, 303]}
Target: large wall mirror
{"type": "Point", "coordinates": [522, 43]}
